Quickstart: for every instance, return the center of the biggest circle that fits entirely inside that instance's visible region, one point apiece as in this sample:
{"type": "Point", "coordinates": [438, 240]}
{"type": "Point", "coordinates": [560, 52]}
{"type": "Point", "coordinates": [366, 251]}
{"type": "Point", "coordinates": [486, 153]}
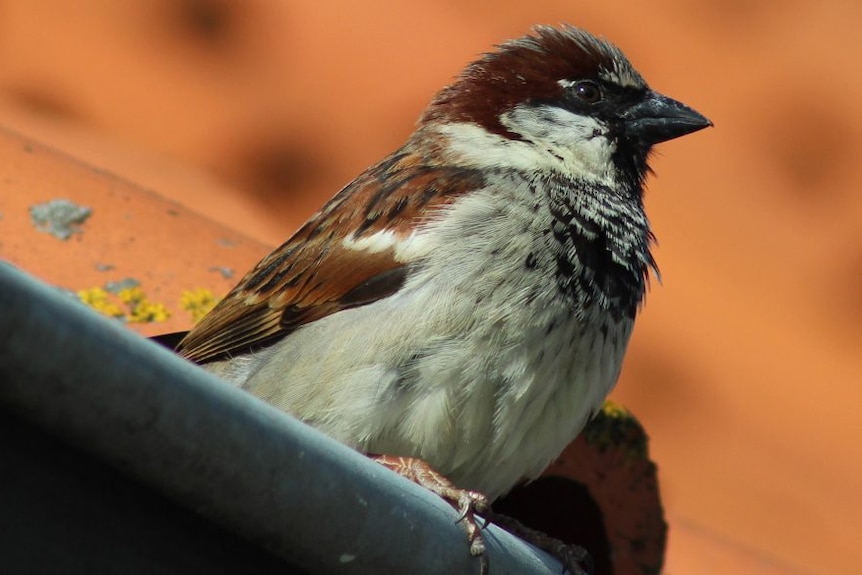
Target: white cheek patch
{"type": "Point", "coordinates": [471, 145]}
{"type": "Point", "coordinates": [579, 142]}
{"type": "Point", "coordinates": [554, 125]}
{"type": "Point", "coordinates": [553, 140]}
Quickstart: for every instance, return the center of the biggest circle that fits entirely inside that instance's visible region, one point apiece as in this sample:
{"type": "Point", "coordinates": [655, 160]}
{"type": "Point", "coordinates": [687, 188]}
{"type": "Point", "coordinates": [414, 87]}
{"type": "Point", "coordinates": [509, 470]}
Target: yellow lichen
{"type": "Point", "coordinates": [613, 409]}
{"type": "Point", "coordinates": [130, 304]}
{"type": "Point", "coordinates": [131, 296]}
{"type": "Point", "coordinates": [100, 300]}
{"type": "Point", "coordinates": [147, 312]}
{"type": "Point", "coordinates": [198, 302]}
{"type": "Point", "coordinates": [138, 309]}
{"type": "Point", "coordinates": [142, 310]}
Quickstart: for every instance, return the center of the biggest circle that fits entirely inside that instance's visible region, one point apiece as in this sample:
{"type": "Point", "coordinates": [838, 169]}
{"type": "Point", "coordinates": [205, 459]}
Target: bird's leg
{"type": "Point", "coordinates": [467, 503]}
{"type": "Point", "coordinates": [575, 559]}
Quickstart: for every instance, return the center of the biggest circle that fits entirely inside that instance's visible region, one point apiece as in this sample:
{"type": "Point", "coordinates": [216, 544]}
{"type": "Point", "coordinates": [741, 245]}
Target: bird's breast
{"type": "Point", "coordinates": [506, 367]}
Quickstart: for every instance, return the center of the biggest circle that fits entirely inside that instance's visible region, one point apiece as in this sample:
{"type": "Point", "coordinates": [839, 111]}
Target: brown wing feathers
{"type": "Point", "coordinates": [313, 275]}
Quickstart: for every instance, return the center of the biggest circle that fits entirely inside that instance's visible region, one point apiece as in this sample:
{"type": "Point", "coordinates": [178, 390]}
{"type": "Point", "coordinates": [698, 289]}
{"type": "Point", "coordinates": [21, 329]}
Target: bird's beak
{"type": "Point", "coordinates": [658, 118]}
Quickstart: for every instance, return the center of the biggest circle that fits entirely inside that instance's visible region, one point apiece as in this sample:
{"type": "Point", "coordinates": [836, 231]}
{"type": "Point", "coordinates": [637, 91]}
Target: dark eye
{"type": "Point", "coordinates": [587, 91]}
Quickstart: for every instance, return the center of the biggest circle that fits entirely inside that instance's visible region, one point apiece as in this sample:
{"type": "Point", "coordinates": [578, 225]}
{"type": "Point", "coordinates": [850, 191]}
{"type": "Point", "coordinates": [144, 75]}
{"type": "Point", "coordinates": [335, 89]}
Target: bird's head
{"type": "Point", "coordinates": [572, 98]}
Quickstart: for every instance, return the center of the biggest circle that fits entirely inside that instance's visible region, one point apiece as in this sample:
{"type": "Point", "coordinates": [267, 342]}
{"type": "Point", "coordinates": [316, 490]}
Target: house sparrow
{"type": "Point", "coordinates": [467, 301]}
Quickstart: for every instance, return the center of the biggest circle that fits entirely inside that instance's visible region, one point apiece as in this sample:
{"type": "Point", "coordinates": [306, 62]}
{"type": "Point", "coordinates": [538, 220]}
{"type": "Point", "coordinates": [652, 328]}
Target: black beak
{"type": "Point", "coordinates": [658, 118]}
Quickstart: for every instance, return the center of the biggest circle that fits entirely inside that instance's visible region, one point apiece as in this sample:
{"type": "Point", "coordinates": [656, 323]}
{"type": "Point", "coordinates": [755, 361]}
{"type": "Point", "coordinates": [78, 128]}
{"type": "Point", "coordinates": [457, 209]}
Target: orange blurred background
{"type": "Point", "coordinates": [746, 366]}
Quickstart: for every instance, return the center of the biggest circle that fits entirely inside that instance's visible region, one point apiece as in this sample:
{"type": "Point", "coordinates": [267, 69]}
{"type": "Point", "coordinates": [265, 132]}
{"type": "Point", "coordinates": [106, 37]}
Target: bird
{"type": "Point", "coordinates": [465, 304]}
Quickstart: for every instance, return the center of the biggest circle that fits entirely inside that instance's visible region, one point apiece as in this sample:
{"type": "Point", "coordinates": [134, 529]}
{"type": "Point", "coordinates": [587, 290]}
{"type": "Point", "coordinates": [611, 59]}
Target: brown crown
{"type": "Point", "coordinates": [527, 69]}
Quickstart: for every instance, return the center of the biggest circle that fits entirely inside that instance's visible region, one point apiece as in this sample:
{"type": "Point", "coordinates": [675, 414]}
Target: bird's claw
{"type": "Point", "coordinates": [466, 503]}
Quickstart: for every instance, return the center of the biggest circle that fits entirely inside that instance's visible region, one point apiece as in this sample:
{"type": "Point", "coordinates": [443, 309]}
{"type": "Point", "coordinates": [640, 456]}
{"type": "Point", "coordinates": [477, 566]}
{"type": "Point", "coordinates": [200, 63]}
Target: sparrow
{"type": "Point", "coordinates": [466, 302]}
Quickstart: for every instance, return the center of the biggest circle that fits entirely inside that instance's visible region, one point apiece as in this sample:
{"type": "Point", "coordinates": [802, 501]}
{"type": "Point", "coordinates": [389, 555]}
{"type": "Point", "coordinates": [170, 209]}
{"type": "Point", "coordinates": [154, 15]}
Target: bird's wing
{"type": "Point", "coordinates": [325, 267]}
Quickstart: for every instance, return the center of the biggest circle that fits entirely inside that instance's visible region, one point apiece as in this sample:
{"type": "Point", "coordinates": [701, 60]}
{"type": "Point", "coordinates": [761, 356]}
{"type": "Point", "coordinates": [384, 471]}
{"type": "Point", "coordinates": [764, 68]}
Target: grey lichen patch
{"type": "Point", "coordinates": [61, 218]}
{"type": "Point", "coordinates": [226, 272]}
{"type": "Point", "coordinates": [116, 287]}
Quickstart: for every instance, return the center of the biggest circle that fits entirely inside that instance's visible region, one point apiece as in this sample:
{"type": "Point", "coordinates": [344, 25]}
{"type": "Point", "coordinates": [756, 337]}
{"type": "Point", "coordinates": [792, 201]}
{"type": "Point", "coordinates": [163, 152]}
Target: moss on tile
{"type": "Point", "coordinates": [129, 304]}
{"type": "Point", "coordinates": [198, 302]}
{"type": "Point", "coordinates": [141, 309]}
{"type": "Point", "coordinates": [101, 301]}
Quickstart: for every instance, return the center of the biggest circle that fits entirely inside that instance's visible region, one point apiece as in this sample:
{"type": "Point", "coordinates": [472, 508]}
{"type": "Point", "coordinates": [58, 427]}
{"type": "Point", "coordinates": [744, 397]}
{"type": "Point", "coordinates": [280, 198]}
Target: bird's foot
{"type": "Point", "coordinates": [467, 503]}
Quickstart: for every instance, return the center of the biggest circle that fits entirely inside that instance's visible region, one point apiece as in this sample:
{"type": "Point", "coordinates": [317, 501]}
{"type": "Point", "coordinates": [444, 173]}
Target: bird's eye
{"type": "Point", "coordinates": [588, 92]}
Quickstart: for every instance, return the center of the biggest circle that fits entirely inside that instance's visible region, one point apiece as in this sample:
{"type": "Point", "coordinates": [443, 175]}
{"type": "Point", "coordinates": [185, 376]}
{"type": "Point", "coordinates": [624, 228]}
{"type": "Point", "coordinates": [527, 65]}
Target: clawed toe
{"type": "Point", "coordinates": [466, 503]}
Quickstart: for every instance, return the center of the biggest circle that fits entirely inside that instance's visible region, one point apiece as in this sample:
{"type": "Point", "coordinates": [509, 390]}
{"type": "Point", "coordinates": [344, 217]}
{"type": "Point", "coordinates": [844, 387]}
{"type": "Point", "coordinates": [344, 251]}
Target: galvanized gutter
{"type": "Point", "coordinates": [257, 472]}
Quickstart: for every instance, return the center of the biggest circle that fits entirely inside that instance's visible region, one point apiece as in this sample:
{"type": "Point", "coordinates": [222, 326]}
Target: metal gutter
{"type": "Point", "coordinates": [233, 459]}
